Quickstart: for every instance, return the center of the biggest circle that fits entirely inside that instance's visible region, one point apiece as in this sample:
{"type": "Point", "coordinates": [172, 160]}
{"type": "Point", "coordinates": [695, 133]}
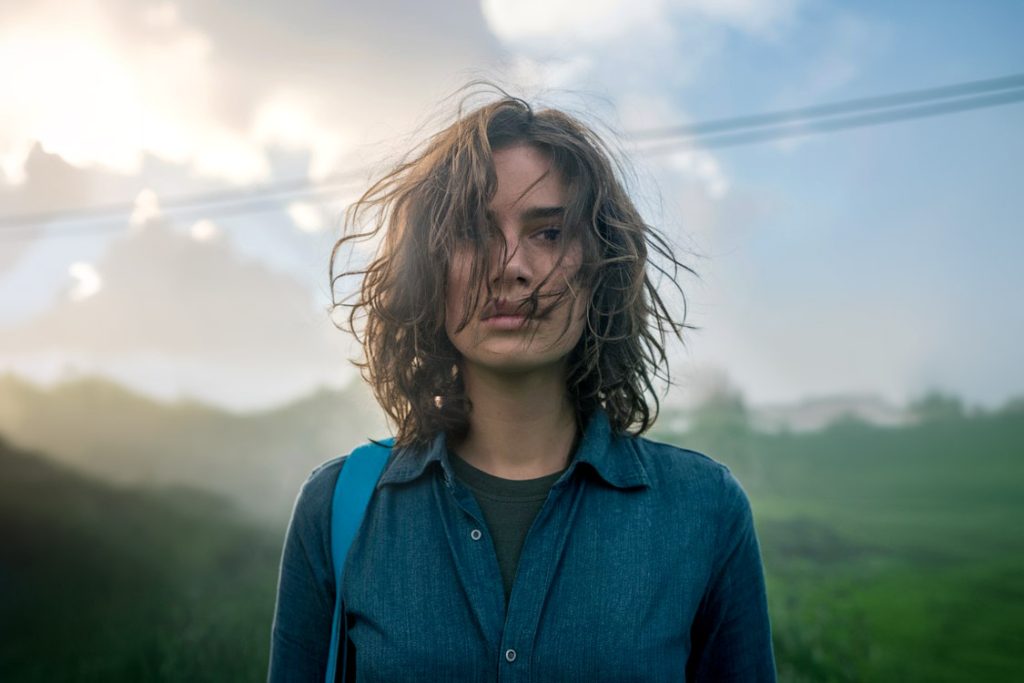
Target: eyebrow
{"type": "Point", "coordinates": [542, 212]}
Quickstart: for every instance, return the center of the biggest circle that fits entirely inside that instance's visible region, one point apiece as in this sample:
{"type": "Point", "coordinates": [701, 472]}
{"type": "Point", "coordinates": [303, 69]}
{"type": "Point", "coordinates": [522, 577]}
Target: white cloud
{"type": "Point", "coordinates": [291, 120]}
{"type": "Point", "coordinates": [164, 292]}
{"type": "Point", "coordinates": [170, 309]}
{"type": "Point", "coordinates": [594, 22]}
{"type": "Point", "coordinates": [306, 217]}
{"type": "Point", "coordinates": [146, 208]}
{"type": "Point", "coordinates": [13, 160]}
{"type": "Point", "coordinates": [204, 230]}
{"type": "Point", "coordinates": [87, 280]}
{"type": "Point", "coordinates": [582, 21]}
{"type": "Point", "coordinates": [103, 90]}
{"type": "Point", "coordinates": [98, 96]}
{"type": "Point", "coordinates": [218, 90]}
{"type": "Point", "coordinates": [533, 74]}
{"type": "Point", "coordinates": [646, 111]}
{"type": "Point", "coordinates": [704, 167]}
{"type": "Point", "coordinates": [625, 47]}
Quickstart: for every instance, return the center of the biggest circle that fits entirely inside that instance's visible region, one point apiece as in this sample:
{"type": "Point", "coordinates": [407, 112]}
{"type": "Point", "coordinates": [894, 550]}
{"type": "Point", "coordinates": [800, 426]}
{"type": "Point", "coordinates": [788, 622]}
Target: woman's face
{"type": "Point", "coordinates": [499, 336]}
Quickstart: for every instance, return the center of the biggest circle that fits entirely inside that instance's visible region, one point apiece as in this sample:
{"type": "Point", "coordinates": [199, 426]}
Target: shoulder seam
{"type": "Point", "coordinates": [703, 456]}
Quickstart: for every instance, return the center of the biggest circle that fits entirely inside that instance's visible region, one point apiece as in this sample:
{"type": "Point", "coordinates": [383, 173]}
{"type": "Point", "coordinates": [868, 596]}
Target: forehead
{"type": "Point", "coordinates": [526, 178]}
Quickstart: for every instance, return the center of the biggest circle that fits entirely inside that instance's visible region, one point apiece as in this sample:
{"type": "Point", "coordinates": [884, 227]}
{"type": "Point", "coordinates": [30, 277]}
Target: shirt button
{"type": "Point", "coordinates": [475, 535]}
{"type": "Point", "coordinates": [510, 655]}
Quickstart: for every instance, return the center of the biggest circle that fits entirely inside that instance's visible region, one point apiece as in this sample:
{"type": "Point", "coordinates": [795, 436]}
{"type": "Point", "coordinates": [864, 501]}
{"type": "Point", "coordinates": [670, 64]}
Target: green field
{"type": "Point", "coordinates": [892, 554]}
{"type": "Point", "coordinates": [110, 584]}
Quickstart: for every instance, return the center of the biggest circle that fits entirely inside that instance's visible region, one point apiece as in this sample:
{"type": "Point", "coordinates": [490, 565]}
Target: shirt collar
{"type": "Point", "coordinates": [612, 456]}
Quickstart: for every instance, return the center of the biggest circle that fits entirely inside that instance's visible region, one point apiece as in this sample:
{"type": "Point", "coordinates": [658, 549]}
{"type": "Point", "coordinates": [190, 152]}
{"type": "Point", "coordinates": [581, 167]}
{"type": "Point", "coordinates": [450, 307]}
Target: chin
{"type": "Point", "coordinates": [515, 360]}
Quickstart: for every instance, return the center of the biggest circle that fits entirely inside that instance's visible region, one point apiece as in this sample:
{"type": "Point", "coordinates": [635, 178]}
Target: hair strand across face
{"type": "Point", "coordinates": [427, 206]}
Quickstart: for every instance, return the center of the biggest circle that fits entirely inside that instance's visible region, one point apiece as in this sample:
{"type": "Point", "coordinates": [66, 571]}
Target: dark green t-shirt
{"type": "Point", "coordinates": [509, 507]}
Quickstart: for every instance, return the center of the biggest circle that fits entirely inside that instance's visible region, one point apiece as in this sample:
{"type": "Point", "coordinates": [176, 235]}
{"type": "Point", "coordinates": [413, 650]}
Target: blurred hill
{"type": "Point", "coordinates": [256, 460]}
{"type": "Point", "coordinates": [891, 552]}
{"type": "Point", "coordinates": [806, 415]}
{"type": "Point", "coordinates": [106, 583]}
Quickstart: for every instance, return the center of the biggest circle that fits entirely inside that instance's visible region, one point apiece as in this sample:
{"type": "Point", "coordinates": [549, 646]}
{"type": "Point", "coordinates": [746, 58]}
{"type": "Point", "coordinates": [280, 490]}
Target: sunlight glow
{"type": "Point", "coordinates": [87, 280]}
{"type": "Point", "coordinates": [147, 207]}
{"type": "Point", "coordinates": [204, 230]}
{"type": "Point", "coordinates": [96, 98]}
{"type": "Point", "coordinates": [75, 97]}
{"type": "Point", "coordinates": [290, 120]}
{"type": "Point", "coordinates": [307, 217]}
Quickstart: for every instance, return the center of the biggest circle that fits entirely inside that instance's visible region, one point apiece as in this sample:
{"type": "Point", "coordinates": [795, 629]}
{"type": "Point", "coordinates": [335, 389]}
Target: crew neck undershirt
{"type": "Point", "coordinates": [509, 507]}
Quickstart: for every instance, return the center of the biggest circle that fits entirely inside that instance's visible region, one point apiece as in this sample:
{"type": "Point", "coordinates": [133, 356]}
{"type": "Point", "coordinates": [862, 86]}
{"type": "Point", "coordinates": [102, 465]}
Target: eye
{"type": "Point", "coordinates": [551, 233]}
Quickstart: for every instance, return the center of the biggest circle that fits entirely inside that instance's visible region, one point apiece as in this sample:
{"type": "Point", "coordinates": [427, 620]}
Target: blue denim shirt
{"type": "Point", "coordinates": [642, 565]}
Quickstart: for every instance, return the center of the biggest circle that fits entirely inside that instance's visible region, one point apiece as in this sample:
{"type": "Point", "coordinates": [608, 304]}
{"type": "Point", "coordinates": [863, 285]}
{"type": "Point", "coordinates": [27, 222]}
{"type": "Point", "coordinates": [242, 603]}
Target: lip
{"type": "Point", "coordinates": [505, 322]}
{"type": "Point", "coordinates": [504, 314]}
{"type": "Point", "coordinates": [502, 308]}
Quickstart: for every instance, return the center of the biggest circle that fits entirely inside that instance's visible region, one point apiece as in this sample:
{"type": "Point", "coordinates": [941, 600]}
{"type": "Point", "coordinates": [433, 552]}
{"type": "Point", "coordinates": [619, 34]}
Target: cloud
{"type": "Point", "coordinates": [103, 83]}
{"type": "Point", "coordinates": [204, 230]}
{"type": "Point", "coordinates": [596, 22]}
{"type": "Point", "coordinates": [169, 301]}
{"type": "Point", "coordinates": [87, 280]}
{"type": "Point", "coordinates": [704, 167]}
{"type": "Point", "coordinates": [146, 208]}
{"type": "Point", "coordinates": [625, 47]}
{"type": "Point", "coordinates": [763, 18]}
{"type": "Point", "coordinates": [578, 21]}
{"type": "Point", "coordinates": [47, 184]}
{"type": "Point", "coordinates": [100, 89]}
{"type": "Point", "coordinates": [306, 217]}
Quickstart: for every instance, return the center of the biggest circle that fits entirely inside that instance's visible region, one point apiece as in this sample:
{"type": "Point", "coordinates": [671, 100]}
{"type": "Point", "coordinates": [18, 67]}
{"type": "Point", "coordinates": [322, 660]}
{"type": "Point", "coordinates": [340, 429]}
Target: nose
{"type": "Point", "coordinates": [511, 269]}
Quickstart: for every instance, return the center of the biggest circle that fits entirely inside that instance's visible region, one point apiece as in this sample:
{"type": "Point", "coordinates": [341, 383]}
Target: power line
{"type": "Point", "coordinates": [844, 107]}
{"type": "Point", "coordinates": [869, 111]}
{"type": "Point", "coordinates": [810, 127]}
{"type": "Point", "coordinates": [117, 223]}
{"type": "Point", "coordinates": [104, 211]}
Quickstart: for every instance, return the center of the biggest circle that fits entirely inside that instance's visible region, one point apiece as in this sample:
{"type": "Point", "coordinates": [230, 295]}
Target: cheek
{"type": "Point", "coordinates": [456, 293]}
{"type": "Point", "coordinates": [452, 304]}
{"type": "Point", "coordinates": [579, 313]}
{"type": "Point", "coordinates": [572, 264]}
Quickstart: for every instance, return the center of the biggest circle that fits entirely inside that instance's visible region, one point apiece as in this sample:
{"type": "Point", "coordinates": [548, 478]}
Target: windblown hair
{"type": "Point", "coordinates": [435, 199]}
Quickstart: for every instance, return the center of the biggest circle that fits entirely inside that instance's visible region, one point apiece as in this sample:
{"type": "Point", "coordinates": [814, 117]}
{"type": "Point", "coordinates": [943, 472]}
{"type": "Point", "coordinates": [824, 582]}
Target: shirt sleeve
{"type": "Point", "coordinates": [301, 632]}
{"type": "Point", "coordinates": [731, 637]}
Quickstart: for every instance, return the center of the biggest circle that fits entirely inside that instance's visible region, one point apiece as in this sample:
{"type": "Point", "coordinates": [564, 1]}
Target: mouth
{"type": "Point", "coordinates": [503, 308]}
{"type": "Point", "coordinates": [504, 314]}
{"type": "Point", "coordinates": [505, 322]}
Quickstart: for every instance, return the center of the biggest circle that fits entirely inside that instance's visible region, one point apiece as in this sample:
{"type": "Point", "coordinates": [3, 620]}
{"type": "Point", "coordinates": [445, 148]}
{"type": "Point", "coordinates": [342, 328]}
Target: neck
{"type": "Point", "coordinates": [522, 426]}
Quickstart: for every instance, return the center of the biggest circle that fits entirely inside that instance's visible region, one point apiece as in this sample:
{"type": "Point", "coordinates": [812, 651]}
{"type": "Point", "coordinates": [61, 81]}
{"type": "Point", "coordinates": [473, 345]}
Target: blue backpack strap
{"type": "Point", "coordinates": [356, 483]}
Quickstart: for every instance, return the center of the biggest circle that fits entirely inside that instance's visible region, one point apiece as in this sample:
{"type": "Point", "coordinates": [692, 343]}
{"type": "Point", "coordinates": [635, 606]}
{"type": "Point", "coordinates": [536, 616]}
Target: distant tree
{"type": "Point", "coordinates": [935, 406]}
{"type": "Point", "coordinates": [720, 425]}
{"type": "Point", "coordinates": [722, 412]}
{"type": "Point", "coordinates": [1013, 406]}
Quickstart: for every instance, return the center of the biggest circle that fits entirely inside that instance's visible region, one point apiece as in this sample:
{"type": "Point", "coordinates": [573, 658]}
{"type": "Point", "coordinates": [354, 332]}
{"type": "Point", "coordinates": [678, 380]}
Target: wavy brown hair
{"type": "Point", "coordinates": [437, 197]}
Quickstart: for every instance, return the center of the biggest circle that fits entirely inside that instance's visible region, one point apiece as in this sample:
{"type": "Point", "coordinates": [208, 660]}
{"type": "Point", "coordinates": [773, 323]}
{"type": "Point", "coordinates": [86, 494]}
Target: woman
{"type": "Point", "coordinates": [522, 529]}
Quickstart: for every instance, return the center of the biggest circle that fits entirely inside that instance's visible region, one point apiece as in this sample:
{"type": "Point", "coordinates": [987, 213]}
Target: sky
{"type": "Point", "coordinates": [879, 260]}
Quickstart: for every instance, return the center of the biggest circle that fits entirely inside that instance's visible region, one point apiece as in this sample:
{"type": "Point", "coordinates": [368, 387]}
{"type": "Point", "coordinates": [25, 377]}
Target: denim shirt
{"type": "Point", "coordinates": [642, 565]}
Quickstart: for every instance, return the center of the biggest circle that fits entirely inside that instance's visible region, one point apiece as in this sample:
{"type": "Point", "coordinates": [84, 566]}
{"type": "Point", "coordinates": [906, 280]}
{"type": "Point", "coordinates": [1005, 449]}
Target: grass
{"type": "Point", "coordinates": [109, 584]}
{"type": "Point", "coordinates": [891, 554]}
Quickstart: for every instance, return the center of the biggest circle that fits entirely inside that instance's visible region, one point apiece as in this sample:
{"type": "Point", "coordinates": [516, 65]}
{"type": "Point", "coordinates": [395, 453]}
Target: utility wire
{"type": "Point", "coordinates": [847, 106]}
{"type": "Point", "coordinates": [725, 132]}
{"type": "Point", "coordinates": [300, 186]}
{"type": "Point", "coordinates": [809, 127]}
{"type": "Point", "coordinates": [99, 225]}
